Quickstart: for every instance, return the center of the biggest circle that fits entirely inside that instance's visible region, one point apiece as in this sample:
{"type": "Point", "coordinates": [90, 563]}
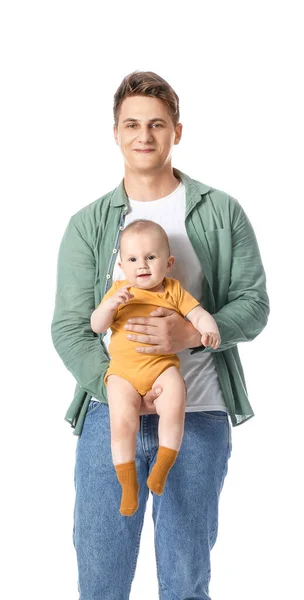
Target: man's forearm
{"type": "Point", "coordinates": [84, 356]}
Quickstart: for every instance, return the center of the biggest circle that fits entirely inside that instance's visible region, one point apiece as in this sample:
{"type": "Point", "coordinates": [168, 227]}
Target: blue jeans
{"type": "Point", "coordinates": [185, 516]}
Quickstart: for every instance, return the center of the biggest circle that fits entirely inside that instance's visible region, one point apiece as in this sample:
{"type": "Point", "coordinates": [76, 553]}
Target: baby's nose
{"type": "Point", "coordinates": [143, 263]}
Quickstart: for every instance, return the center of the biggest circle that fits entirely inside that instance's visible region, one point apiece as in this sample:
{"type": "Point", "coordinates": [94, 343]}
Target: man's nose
{"type": "Point", "coordinates": [145, 134]}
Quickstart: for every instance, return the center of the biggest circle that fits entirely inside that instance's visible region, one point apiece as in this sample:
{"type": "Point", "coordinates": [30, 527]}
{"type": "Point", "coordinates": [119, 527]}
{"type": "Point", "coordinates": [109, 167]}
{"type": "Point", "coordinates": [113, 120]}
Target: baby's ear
{"type": "Point", "coordinates": [170, 262]}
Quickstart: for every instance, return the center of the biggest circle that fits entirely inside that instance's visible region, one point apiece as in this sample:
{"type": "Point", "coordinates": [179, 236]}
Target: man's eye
{"type": "Point", "coordinates": [132, 125]}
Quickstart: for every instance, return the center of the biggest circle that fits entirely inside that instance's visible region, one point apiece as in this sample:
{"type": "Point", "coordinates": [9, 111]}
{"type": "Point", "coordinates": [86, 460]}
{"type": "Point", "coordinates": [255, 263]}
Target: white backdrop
{"type": "Point", "coordinates": [237, 69]}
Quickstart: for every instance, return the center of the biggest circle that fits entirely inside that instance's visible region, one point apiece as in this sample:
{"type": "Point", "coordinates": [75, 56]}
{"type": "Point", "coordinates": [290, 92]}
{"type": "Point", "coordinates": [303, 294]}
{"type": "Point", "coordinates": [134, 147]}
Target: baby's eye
{"type": "Point", "coordinates": [132, 259]}
{"type": "Point", "coordinates": [151, 257]}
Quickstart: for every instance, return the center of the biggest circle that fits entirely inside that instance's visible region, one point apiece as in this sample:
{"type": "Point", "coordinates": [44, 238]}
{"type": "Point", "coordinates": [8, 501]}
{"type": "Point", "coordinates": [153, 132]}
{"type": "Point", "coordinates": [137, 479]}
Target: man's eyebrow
{"type": "Point", "coordinates": [150, 120]}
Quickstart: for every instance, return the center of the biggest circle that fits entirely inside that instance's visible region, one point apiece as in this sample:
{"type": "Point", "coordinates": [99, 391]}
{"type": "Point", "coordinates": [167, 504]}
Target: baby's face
{"type": "Point", "coordinates": [145, 260]}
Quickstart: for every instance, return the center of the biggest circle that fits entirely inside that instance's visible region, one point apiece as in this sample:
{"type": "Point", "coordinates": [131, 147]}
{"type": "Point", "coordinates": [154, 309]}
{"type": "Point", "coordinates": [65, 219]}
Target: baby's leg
{"type": "Point", "coordinates": [170, 406]}
{"type": "Point", "coordinates": [124, 403]}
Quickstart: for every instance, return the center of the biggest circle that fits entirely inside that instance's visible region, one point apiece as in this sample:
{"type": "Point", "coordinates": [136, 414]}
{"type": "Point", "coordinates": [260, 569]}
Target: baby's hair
{"type": "Point", "coordinates": [142, 226]}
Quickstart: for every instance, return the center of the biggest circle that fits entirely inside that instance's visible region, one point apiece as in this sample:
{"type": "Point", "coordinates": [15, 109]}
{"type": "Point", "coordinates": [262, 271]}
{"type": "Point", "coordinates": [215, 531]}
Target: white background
{"type": "Point", "coordinates": [237, 69]}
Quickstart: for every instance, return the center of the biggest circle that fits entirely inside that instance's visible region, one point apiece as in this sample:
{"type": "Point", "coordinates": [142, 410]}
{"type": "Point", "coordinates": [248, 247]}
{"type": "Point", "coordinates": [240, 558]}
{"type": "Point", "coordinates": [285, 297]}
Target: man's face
{"type": "Point", "coordinates": [145, 124]}
{"type": "Point", "coordinates": [144, 259]}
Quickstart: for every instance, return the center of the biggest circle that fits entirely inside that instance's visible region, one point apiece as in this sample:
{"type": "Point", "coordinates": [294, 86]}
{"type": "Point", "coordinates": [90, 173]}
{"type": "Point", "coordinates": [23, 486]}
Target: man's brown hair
{"type": "Point", "coordinates": [146, 83]}
{"type": "Point", "coordinates": [142, 226]}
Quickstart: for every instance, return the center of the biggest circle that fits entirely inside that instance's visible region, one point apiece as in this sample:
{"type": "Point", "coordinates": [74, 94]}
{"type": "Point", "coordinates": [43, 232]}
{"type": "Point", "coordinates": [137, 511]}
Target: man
{"type": "Point", "coordinates": [218, 262]}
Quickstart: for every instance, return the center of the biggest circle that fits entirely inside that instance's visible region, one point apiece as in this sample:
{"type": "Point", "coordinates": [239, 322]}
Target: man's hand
{"type": "Point", "coordinates": [147, 407]}
{"type": "Point", "coordinates": [166, 331]}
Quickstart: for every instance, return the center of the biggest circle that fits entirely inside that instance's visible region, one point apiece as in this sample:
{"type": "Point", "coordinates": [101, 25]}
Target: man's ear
{"type": "Point", "coordinates": [178, 133]}
{"type": "Point", "coordinates": [115, 133]}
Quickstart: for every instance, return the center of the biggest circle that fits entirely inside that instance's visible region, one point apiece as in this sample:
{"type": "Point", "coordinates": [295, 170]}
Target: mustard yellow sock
{"type": "Point", "coordinates": [127, 477]}
{"type": "Point", "coordinates": [165, 460]}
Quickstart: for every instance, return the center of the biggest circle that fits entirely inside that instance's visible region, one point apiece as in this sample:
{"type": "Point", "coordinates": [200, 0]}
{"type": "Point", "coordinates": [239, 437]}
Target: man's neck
{"type": "Point", "coordinates": [146, 187]}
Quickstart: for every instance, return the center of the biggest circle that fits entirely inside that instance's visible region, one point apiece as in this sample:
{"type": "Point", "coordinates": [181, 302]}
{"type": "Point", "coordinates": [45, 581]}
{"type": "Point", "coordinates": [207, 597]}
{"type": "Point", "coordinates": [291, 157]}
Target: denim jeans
{"type": "Point", "coordinates": [185, 516]}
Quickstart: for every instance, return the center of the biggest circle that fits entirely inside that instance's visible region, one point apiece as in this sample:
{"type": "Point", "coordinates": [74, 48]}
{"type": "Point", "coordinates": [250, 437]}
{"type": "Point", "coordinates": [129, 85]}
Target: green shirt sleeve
{"type": "Point", "coordinates": [78, 346]}
{"type": "Point", "coordinates": [246, 310]}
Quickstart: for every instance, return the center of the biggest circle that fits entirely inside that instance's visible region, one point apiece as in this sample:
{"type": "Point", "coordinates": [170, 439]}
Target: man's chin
{"type": "Point", "coordinates": [143, 168]}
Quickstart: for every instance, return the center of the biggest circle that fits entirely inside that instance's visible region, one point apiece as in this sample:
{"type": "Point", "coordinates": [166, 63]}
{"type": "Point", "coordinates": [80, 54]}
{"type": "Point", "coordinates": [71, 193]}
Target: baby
{"type": "Point", "coordinates": [145, 260]}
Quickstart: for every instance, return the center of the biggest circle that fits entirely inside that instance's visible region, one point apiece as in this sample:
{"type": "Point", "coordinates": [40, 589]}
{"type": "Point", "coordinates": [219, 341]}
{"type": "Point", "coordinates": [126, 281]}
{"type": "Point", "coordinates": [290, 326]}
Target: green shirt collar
{"type": "Point", "coordinates": [194, 191]}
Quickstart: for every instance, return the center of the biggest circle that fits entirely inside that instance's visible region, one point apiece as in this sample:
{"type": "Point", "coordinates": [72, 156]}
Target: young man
{"type": "Point", "coordinates": [218, 262]}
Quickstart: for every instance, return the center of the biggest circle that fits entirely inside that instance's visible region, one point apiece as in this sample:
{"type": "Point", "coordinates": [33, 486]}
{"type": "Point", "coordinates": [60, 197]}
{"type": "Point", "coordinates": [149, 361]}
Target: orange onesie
{"type": "Point", "coordinates": [141, 369]}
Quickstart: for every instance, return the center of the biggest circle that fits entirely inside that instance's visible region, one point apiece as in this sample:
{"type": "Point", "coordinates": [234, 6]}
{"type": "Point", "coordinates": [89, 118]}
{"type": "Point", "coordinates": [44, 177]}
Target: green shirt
{"type": "Point", "coordinates": [234, 289]}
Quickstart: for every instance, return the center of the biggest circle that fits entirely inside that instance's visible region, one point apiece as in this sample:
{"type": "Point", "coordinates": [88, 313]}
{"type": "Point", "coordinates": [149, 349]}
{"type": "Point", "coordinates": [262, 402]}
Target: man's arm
{"type": "Point", "coordinates": [246, 311]}
{"type": "Point", "coordinates": [77, 345]}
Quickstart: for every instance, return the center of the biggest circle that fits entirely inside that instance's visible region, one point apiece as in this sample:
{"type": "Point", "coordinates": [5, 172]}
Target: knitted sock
{"type": "Point", "coordinates": [127, 477]}
{"type": "Point", "coordinates": [165, 460]}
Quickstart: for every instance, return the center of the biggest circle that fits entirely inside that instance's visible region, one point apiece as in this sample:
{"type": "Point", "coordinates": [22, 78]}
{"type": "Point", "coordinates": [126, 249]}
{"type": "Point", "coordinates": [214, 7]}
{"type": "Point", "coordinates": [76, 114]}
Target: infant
{"type": "Point", "coordinates": [145, 260]}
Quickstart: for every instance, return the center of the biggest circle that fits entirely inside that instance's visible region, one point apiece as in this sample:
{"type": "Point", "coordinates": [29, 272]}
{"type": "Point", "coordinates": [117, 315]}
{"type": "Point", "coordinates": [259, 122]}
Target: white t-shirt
{"type": "Point", "coordinates": [198, 370]}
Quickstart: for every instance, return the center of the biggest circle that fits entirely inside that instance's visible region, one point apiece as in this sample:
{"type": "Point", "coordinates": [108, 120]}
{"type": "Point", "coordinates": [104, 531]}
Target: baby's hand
{"type": "Point", "coordinates": [121, 296]}
{"type": "Point", "coordinates": [211, 339]}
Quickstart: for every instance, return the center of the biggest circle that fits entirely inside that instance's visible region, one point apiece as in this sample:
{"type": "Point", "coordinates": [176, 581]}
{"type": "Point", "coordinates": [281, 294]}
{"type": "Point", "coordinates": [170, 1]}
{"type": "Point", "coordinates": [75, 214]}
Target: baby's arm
{"type": "Point", "coordinates": [206, 325]}
{"type": "Point", "coordinates": [103, 315]}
